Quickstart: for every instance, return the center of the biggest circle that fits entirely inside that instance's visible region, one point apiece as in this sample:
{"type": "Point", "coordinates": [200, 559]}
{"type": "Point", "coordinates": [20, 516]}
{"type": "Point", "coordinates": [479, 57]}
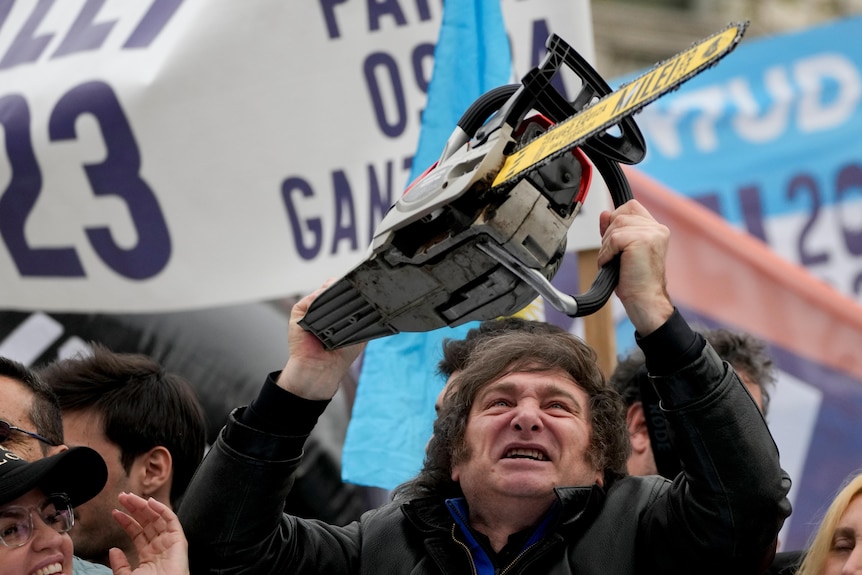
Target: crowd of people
{"type": "Point", "coordinates": [538, 463]}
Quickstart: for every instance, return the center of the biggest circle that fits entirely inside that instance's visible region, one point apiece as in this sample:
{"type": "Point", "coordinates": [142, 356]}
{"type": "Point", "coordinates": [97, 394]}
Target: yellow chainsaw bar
{"type": "Point", "coordinates": [628, 99]}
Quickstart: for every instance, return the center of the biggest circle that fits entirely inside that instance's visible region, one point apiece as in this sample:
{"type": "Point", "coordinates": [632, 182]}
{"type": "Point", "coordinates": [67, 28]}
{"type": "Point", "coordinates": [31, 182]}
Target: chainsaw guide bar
{"type": "Point", "coordinates": [627, 100]}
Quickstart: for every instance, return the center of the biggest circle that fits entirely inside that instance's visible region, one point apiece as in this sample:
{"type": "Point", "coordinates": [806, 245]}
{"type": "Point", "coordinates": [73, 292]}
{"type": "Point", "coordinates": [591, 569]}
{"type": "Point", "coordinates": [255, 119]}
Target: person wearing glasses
{"type": "Point", "coordinates": [36, 513]}
{"type": "Point", "coordinates": [8, 431]}
{"type": "Point", "coordinates": [31, 423]}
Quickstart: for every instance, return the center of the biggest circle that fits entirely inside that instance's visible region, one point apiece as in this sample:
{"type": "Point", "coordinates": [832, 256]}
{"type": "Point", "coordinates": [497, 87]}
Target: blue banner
{"type": "Point", "coordinates": [770, 140]}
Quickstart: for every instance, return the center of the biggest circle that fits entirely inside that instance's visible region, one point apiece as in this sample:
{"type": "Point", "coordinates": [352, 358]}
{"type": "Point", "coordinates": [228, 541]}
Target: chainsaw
{"type": "Point", "coordinates": [483, 231]}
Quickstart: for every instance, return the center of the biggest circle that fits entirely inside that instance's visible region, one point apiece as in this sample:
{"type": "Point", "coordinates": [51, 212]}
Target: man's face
{"type": "Point", "coordinates": [95, 530]}
{"type": "Point", "coordinates": [527, 433]}
{"type": "Point", "coordinates": [16, 401]}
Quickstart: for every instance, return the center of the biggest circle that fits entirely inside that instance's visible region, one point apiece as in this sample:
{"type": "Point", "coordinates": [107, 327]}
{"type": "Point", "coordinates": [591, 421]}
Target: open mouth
{"type": "Point", "coordinates": [520, 453]}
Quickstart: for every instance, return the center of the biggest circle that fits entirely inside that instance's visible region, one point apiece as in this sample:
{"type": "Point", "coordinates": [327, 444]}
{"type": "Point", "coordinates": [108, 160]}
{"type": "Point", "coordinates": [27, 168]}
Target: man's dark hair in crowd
{"type": "Point", "coordinates": [749, 357]}
{"type": "Point", "coordinates": [746, 353]}
{"type": "Point", "coordinates": [141, 404]}
{"type": "Point", "coordinates": [652, 452]}
{"type": "Point", "coordinates": [145, 422]}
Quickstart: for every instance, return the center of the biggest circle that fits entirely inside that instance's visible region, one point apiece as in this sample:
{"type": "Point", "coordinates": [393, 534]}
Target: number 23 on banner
{"type": "Point", "coordinates": [117, 175]}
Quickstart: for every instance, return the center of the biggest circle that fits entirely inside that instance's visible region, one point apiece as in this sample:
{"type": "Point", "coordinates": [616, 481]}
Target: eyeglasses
{"type": "Point", "coordinates": [16, 522]}
{"type": "Point", "coordinates": [7, 428]}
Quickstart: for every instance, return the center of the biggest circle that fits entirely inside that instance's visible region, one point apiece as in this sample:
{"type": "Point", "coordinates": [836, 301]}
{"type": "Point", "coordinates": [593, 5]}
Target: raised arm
{"type": "Point", "coordinates": [250, 469]}
{"type": "Point", "coordinates": [724, 512]}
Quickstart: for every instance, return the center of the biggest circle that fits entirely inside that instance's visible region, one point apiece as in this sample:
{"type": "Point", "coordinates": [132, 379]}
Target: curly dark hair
{"type": "Point", "coordinates": [517, 351]}
{"type": "Point", "coordinates": [457, 351]}
{"type": "Point", "coordinates": [748, 355]}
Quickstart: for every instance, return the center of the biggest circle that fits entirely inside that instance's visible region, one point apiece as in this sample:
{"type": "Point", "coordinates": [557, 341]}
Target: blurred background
{"type": "Point", "coordinates": [631, 35]}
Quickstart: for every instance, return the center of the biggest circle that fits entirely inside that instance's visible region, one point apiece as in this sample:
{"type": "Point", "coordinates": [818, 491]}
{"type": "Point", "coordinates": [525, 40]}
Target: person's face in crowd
{"type": "Point", "coordinates": [16, 400]}
{"type": "Point", "coordinates": [845, 553]}
{"type": "Point", "coordinates": [642, 459]}
{"type": "Point", "coordinates": [47, 550]}
{"type": "Point", "coordinates": [438, 403]}
{"type": "Point", "coordinates": [754, 389]}
{"type": "Point", "coordinates": [95, 531]}
{"type": "Point", "coordinates": [447, 387]}
{"type": "Point", "coordinates": [527, 432]}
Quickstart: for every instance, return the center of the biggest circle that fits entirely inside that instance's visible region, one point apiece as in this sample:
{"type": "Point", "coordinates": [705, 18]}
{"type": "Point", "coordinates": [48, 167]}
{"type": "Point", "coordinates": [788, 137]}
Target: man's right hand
{"type": "Point", "coordinates": [642, 243]}
{"type": "Point", "coordinates": [312, 371]}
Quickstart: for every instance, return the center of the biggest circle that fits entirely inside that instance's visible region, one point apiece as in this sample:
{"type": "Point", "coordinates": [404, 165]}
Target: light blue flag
{"type": "Point", "coordinates": [472, 56]}
{"type": "Point", "coordinates": [393, 413]}
{"type": "Point", "coordinates": [394, 409]}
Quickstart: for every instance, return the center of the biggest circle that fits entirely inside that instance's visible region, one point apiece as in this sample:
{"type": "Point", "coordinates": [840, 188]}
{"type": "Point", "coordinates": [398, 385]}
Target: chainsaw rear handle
{"type": "Point", "coordinates": [609, 275]}
{"type": "Point", "coordinates": [604, 155]}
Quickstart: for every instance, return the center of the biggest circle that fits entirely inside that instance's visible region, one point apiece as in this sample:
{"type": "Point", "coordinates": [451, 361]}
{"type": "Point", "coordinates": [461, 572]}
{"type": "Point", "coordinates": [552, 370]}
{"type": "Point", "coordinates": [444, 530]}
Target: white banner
{"type": "Point", "coordinates": [166, 154]}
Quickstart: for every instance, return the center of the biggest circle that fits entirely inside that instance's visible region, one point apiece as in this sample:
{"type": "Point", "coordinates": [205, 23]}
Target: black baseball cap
{"type": "Point", "coordinates": [79, 472]}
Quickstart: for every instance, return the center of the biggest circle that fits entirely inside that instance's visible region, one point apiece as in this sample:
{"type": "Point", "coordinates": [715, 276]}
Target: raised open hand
{"type": "Point", "coordinates": [158, 537]}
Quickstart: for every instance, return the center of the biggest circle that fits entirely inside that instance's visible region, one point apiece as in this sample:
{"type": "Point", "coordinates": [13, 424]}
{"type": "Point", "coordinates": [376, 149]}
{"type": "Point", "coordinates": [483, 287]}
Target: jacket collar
{"type": "Point", "coordinates": [578, 505]}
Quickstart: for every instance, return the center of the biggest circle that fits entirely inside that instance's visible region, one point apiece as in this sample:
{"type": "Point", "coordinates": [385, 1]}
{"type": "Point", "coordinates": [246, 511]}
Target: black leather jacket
{"type": "Point", "coordinates": [722, 515]}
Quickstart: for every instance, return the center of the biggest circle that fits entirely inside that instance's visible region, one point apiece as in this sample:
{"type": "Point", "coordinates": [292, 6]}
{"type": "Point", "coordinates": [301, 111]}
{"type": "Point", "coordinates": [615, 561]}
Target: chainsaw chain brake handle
{"type": "Point", "coordinates": [455, 249]}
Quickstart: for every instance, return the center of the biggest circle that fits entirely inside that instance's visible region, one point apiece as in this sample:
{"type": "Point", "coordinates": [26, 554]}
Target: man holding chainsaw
{"type": "Point", "coordinates": [526, 470]}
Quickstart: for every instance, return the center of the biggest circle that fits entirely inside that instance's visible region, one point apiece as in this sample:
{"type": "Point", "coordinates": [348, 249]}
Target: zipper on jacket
{"type": "Point", "coordinates": [506, 569]}
{"type": "Point", "coordinates": [521, 554]}
{"type": "Point", "coordinates": [466, 550]}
